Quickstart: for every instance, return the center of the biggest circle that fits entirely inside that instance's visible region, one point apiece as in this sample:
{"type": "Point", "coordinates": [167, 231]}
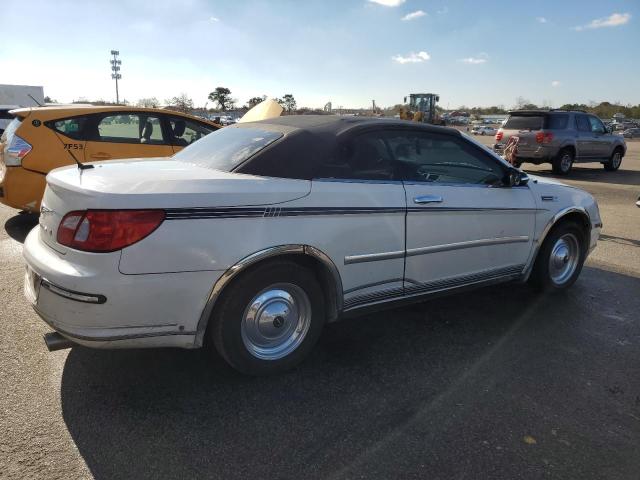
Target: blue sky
{"type": "Point", "coordinates": [347, 52]}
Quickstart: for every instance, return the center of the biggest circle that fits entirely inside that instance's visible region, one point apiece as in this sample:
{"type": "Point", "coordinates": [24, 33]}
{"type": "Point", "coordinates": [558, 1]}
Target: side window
{"type": "Point", "coordinates": [184, 132]}
{"type": "Point", "coordinates": [558, 121]}
{"type": "Point", "coordinates": [596, 125]}
{"type": "Point", "coordinates": [71, 127]}
{"type": "Point", "coordinates": [433, 157]}
{"type": "Point", "coordinates": [130, 128]}
{"type": "Point", "coordinates": [364, 157]}
{"type": "Point", "coordinates": [583, 124]}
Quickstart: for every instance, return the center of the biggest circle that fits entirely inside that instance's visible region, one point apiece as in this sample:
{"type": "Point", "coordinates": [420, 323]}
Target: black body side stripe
{"type": "Point", "coordinates": [429, 287]}
{"type": "Point", "coordinates": [272, 212]}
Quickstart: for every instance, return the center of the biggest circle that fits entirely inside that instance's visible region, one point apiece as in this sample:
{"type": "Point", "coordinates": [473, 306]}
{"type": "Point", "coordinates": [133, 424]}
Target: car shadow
{"type": "Point", "coordinates": [19, 226]}
{"type": "Point", "coordinates": [619, 240]}
{"type": "Point", "coordinates": [371, 380]}
{"type": "Point", "coordinates": [593, 174]}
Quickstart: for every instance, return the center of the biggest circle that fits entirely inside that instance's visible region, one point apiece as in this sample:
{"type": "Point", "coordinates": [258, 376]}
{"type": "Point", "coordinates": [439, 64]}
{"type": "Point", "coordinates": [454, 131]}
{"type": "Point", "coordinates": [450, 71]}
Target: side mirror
{"type": "Point", "coordinates": [515, 178]}
{"type": "Point", "coordinates": [609, 129]}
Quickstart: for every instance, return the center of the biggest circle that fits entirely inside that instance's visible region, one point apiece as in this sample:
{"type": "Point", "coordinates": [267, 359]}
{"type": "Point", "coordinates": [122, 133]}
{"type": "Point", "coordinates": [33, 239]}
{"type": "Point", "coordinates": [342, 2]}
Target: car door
{"type": "Point", "coordinates": [184, 131]}
{"type": "Point", "coordinates": [602, 141]}
{"type": "Point", "coordinates": [126, 135]}
{"type": "Point", "coordinates": [585, 140]}
{"type": "Point", "coordinates": [362, 228]}
{"type": "Point", "coordinates": [463, 226]}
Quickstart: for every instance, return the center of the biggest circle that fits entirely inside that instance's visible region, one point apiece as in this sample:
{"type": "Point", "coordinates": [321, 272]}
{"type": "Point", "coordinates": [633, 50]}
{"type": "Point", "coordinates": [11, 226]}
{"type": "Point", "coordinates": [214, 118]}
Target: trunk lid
{"type": "Point", "coordinates": [155, 183]}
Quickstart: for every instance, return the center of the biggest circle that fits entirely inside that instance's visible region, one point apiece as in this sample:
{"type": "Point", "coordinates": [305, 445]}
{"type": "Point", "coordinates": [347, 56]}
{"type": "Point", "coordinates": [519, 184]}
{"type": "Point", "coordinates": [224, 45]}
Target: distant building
{"type": "Point", "coordinates": [21, 95]}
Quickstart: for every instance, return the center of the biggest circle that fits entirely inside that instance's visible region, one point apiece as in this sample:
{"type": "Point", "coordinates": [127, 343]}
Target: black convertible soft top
{"type": "Point", "coordinates": [309, 140]}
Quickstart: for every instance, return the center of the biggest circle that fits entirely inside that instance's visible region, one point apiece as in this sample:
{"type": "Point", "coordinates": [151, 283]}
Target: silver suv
{"type": "Point", "coordinates": [560, 137]}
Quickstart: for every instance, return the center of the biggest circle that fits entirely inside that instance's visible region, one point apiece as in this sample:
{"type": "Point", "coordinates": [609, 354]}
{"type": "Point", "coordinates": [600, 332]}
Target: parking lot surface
{"type": "Point", "coordinates": [497, 383]}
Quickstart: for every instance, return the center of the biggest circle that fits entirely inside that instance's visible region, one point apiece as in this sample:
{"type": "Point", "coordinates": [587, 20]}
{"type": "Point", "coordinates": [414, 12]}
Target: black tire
{"type": "Point", "coordinates": [563, 162]}
{"type": "Point", "coordinates": [228, 331]}
{"type": "Point", "coordinates": [542, 276]}
{"type": "Point", "coordinates": [614, 161]}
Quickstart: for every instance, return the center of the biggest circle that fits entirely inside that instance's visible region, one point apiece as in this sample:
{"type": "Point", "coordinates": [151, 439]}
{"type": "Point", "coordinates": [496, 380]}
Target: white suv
{"type": "Point", "coordinates": [257, 234]}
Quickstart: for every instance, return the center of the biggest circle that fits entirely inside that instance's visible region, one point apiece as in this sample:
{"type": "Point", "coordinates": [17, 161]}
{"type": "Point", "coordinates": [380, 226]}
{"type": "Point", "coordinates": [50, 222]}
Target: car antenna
{"type": "Point", "coordinates": [37, 102]}
{"type": "Point", "coordinates": [81, 166]}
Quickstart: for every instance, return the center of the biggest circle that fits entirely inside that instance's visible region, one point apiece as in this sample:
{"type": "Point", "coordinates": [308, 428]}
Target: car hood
{"type": "Point", "coordinates": [546, 180]}
{"type": "Point", "coordinates": [162, 183]}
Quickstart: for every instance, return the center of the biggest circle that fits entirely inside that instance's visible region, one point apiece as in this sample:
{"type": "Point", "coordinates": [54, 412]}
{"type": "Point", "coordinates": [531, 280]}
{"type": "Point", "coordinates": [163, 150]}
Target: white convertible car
{"type": "Point", "coordinates": [255, 236]}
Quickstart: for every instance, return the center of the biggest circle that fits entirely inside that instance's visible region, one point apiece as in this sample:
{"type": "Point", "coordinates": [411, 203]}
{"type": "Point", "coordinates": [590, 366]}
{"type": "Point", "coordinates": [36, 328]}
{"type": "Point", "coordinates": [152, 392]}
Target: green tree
{"type": "Point", "coordinates": [253, 101]}
{"type": "Point", "coordinates": [287, 102]}
{"type": "Point", "coordinates": [222, 96]}
{"type": "Point", "coordinates": [151, 102]}
{"type": "Point", "coordinates": [182, 103]}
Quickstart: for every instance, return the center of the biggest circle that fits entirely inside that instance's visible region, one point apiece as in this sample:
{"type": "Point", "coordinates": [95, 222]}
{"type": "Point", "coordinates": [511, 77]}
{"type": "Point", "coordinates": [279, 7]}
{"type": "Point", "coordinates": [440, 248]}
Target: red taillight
{"type": "Point", "coordinates": [107, 230]}
{"type": "Point", "coordinates": [544, 137]}
{"type": "Point", "coordinates": [499, 135]}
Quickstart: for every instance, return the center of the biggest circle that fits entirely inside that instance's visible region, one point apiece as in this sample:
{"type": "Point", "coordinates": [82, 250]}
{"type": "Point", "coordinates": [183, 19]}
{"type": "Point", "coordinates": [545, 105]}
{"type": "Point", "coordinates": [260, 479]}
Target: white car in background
{"type": "Point", "coordinates": [483, 130]}
{"type": "Point", "coordinates": [256, 235]}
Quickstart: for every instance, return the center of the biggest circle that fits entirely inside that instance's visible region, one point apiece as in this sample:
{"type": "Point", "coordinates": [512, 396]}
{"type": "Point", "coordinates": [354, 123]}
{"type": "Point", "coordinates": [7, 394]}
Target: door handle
{"type": "Point", "coordinates": [427, 199]}
{"type": "Point", "coordinates": [101, 156]}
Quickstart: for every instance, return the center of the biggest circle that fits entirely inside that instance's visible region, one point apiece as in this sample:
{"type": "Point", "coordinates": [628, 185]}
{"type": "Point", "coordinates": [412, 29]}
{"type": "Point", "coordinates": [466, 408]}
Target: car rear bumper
{"type": "Point", "coordinates": [530, 153]}
{"type": "Point", "coordinates": [86, 299]}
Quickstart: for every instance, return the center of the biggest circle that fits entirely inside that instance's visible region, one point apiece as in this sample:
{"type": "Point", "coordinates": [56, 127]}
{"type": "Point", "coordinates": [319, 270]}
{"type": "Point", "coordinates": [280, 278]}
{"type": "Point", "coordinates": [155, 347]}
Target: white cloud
{"type": "Point", "coordinates": [481, 58]}
{"type": "Point", "coordinates": [388, 3]}
{"type": "Point", "coordinates": [541, 19]}
{"type": "Point", "coordinates": [412, 58]}
{"type": "Point", "coordinates": [214, 19]}
{"type": "Point", "coordinates": [555, 83]}
{"type": "Point", "coordinates": [613, 20]}
{"type": "Point", "coordinates": [414, 15]}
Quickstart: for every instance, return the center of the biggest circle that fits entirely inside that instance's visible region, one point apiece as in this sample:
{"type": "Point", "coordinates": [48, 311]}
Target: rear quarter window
{"type": "Point", "coordinates": [70, 127]}
{"type": "Point", "coordinates": [524, 122]}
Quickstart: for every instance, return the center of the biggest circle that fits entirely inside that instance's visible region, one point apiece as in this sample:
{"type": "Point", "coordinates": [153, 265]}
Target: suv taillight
{"type": "Point", "coordinates": [107, 230]}
{"type": "Point", "coordinates": [15, 151]}
{"type": "Point", "coordinates": [499, 135]}
{"type": "Point", "coordinates": [544, 137]}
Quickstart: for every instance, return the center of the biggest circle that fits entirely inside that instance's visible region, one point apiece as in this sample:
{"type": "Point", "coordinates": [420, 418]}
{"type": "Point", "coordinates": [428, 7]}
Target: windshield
{"type": "Point", "coordinates": [227, 148]}
{"type": "Point", "coordinates": [524, 122]}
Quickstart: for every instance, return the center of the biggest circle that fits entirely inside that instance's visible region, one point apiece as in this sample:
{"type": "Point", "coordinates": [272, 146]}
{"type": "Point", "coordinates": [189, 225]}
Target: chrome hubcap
{"type": "Point", "coordinates": [276, 321]}
{"type": "Point", "coordinates": [617, 158]}
{"type": "Point", "coordinates": [565, 163]}
{"type": "Point", "coordinates": [564, 258]}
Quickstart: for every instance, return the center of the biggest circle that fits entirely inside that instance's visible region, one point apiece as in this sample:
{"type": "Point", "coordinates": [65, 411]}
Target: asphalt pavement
{"type": "Point", "coordinates": [497, 383]}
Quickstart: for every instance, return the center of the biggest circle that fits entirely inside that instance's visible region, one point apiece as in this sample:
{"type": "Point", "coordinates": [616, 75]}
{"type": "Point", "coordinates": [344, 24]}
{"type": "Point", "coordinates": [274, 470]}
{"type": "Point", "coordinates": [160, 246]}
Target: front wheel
{"type": "Point", "coordinates": [560, 259]}
{"type": "Point", "coordinates": [614, 162]}
{"type": "Point", "coordinates": [269, 319]}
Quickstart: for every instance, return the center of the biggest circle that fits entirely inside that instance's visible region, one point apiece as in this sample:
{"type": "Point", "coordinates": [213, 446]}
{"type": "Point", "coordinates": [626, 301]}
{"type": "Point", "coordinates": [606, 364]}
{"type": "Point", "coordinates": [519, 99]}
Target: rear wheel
{"type": "Point", "coordinates": [563, 163]}
{"type": "Point", "coordinates": [269, 318]}
{"type": "Point", "coordinates": [560, 259]}
{"type": "Point", "coordinates": [614, 162]}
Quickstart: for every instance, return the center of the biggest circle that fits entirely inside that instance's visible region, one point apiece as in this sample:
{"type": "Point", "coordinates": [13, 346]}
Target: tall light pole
{"type": "Point", "coordinates": [115, 68]}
